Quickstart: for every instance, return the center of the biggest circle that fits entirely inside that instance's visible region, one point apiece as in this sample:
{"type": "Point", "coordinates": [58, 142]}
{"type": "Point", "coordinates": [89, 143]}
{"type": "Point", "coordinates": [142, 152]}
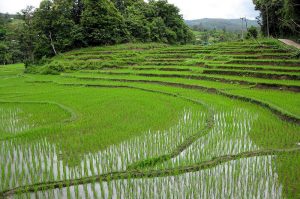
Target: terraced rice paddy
{"type": "Point", "coordinates": [154, 121]}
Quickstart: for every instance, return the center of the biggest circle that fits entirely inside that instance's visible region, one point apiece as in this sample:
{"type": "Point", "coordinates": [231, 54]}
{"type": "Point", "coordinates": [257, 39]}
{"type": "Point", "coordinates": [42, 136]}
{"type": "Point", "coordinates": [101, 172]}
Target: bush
{"type": "Point", "coordinates": [252, 33]}
{"type": "Point", "coordinates": [53, 68]}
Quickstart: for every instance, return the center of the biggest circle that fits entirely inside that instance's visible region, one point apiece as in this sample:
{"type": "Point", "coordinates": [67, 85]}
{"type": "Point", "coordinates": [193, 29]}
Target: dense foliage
{"type": "Point", "coordinates": [279, 17]}
{"type": "Point", "coordinates": [209, 31]}
{"type": "Point", "coordinates": [207, 37]}
{"type": "Point", "coordinates": [61, 25]}
{"type": "Point", "coordinates": [252, 33]}
{"type": "Point", "coordinates": [10, 50]}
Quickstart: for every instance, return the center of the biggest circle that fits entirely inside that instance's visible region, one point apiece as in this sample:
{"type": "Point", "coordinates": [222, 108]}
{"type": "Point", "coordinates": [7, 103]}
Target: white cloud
{"type": "Point", "coordinates": [14, 6]}
{"type": "Point", "coordinates": [196, 9]}
{"type": "Point", "coordinates": [190, 9]}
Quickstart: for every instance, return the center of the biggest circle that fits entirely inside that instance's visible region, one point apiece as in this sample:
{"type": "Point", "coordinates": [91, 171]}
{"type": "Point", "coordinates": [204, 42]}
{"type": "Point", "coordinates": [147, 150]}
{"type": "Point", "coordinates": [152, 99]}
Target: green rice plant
{"type": "Point", "coordinates": [141, 120]}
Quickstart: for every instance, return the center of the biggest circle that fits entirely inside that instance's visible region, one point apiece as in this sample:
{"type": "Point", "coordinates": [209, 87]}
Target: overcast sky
{"type": "Point", "coordinates": [190, 9]}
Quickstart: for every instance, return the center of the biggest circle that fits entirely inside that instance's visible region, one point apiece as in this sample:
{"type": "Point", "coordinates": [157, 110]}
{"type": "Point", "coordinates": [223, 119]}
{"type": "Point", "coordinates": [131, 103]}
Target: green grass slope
{"type": "Point", "coordinates": [118, 121]}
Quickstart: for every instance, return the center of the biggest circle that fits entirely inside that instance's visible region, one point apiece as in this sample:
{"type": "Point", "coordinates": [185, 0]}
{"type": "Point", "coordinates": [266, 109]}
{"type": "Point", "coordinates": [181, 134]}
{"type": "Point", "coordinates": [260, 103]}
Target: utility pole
{"type": "Point", "coordinates": [246, 23]}
{"type": "Point", "coordinates": [268, 29]}
{"type": "Point", "coordinates": [243, 18]}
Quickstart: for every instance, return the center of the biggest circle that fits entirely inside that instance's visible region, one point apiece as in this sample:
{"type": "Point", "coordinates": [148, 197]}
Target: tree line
{"type": "Point", "coordinates": [61, 25]}
{"type": "Point", "coordinates": [279, 17]}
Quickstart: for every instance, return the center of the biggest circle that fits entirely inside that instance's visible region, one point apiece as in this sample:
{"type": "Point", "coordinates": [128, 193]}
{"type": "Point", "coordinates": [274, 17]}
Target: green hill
{"type": "Point", "coordinates": [231, 25]}
{"type": "Point", "coordinates": [115, 118]}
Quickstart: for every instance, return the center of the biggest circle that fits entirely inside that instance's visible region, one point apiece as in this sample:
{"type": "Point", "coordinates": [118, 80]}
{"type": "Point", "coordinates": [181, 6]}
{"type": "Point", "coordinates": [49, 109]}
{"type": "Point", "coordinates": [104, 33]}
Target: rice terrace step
{"type": "Point", "coordinates": [125, 99]}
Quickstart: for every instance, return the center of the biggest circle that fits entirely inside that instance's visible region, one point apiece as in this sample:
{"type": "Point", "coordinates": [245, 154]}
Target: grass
{"type": "Point", "coordinates": [143, 117]}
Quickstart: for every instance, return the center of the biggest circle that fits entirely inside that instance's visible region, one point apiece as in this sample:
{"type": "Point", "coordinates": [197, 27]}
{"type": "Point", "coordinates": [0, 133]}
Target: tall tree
{"type": "Point", "coordinates": [61, 25]}
{"type": "Point", "coordinates": [136, 21]}
{"type": "Point", "coordinates": [102, 23]}
{"type": "Point", "coordinates": [44, 18]}
{"type": "Point", "coordinates": [28, 34]}
{"type": "Point", "coordinates": [56, 27]}
{"type": "Point", "coordinates": [279, 17]}
{"type": "Point", "coordinates": [176, 31]}
{"type": "Point", "coordinates": [290, 17]}
{"type": "Point", "coordinates": [121, 5]}
{"type": "Point", "coordinates": [77, 10]}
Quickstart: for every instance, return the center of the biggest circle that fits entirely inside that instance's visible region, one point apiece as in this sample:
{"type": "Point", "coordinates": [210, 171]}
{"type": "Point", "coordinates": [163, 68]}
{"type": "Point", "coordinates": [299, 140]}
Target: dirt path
{"type": "Point", "coordinates": [290, 43]}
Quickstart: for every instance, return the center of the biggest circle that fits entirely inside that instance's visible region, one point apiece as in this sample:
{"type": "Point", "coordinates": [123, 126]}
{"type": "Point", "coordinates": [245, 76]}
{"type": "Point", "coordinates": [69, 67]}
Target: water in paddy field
{"type": "Point", "coordinates": [229, 135]}
{"type": "Point", "coordinates": [244, 178]}
{"type": "Point", "coordinates": [22, 161]}
{"type": "Point", "coordinates": [12, 122]}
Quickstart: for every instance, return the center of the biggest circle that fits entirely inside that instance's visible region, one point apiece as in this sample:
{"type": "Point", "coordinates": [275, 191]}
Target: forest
{"type": "Point", "coordinates": [279, 18]}
{"type": "Point", "coordinates": [61, 25]}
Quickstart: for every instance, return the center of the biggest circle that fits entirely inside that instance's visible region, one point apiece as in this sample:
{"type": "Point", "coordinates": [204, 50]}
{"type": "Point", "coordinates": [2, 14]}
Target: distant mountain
{"type": "Point", "coordinates": [8, 16]}
{"type": "Point", "coordinates": [232, 25]}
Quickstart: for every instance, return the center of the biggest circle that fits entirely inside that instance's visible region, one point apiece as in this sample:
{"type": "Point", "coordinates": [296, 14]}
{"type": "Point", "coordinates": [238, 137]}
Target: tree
{"type": "Point", "coordinates": [4, 53]}
{"type": "Point", "coordinates": [102, 23]}
{"type": "Point", "coordinates": [252, 32]}
{"type": "Point", "coordinates": [44, 19]}
{"type": "Point", "coordinates": [60, 25]}
{"type": "Point", "coordinates": [137, 23]}
{"type": "Point", "coordinates": [290, 18]}
{"type": "Point", "coordinates": [28, 34]}
{"type": "Point", "coordinates": [56, 28]}
{"type": "Point", "coordinates": [167, 15]}
{"type": "Point", "coordinates": [279, 17]}
{"type": "Point", "coordinates": [11, 28]}
{"type": "Point", "coordinates": [77, 10]}
{"type": "Point", "coordinates": [121, 5]}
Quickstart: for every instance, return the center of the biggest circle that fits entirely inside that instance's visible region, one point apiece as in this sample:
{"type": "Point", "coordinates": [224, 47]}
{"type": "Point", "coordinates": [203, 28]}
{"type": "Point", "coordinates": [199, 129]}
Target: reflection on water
{"type": "Point", "coordinates": [27, 163]}
{"type": "Point", "coordinates": [23, 161]}
{"type": "Point", "coordinates": [245, 178]}
{"type": "Point", "coordinates": [11, 121]}
{"type": "Point", "coordinates": [230, 135]}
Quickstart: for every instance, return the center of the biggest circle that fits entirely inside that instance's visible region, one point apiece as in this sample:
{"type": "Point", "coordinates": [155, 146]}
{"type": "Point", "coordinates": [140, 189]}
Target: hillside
{"type": "Point", "coordinates": [232, 25]}
{"type": "Point", "coordinates": [189, 121]}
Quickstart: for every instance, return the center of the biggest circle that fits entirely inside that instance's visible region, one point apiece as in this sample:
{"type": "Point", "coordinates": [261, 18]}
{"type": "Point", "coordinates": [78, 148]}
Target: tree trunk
{"type": "Point", "coordinates": [52, 44]}
{"type": "Point", "coordinates": [268, 28]}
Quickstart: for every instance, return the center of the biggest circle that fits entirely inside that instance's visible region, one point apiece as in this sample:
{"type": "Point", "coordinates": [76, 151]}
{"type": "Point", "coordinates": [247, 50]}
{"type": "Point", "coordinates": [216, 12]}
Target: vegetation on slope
{"type": "Point", "coordinates": [59, 26]}
{"type": "Point", "coordinates": [119, 126]}
{"type": "Point", "coordinates": [222, 143]}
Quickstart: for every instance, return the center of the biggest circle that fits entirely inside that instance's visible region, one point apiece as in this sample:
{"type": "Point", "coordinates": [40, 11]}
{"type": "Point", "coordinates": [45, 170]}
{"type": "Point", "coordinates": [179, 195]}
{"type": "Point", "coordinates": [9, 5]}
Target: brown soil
{"type": "Point", "coordinates": [266, 63]}
{"type": "Point", "coordinates": [253, 68]}
{"type": "Point", "coordinates": [254, 74]}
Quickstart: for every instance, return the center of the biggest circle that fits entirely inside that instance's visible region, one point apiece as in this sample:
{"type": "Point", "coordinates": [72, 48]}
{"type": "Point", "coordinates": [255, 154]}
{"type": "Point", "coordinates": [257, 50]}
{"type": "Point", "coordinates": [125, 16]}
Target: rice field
{"type": "Point", "coordinates": [153, 121]}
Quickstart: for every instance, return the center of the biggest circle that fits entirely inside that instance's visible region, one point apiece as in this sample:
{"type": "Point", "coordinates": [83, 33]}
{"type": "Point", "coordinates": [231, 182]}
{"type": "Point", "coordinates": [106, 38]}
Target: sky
{"type": "Point", "coordinates": [190, 9]}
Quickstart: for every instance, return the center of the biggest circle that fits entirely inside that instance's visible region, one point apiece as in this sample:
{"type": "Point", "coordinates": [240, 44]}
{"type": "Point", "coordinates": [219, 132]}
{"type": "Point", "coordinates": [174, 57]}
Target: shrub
{"type": "Point", "coordinates": [252, 32]}
{"type": "Point", "coordinates": [53, 68]}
